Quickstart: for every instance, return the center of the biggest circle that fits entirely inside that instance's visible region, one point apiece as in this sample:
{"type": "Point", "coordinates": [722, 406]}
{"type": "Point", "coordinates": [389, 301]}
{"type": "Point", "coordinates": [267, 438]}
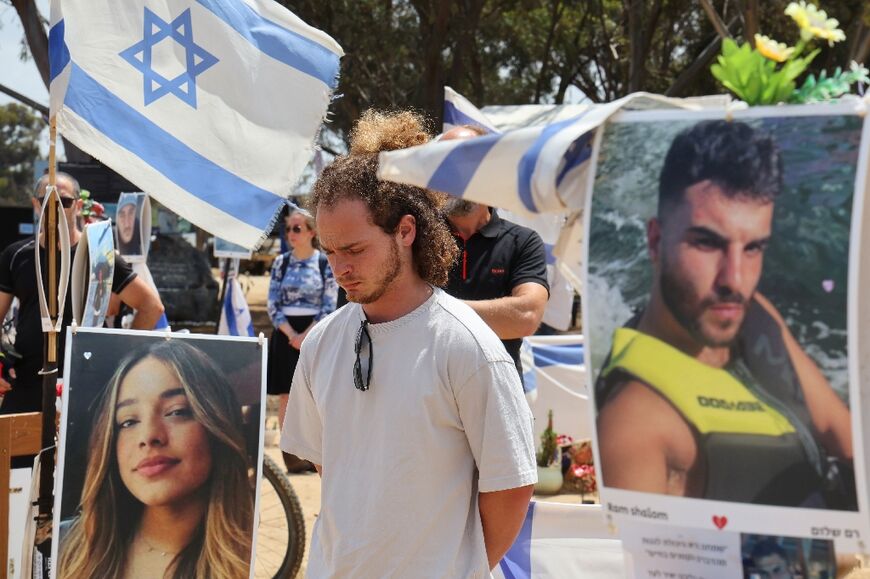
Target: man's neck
{"type": "Point", "coordinates": [468, 225]}
{"type": "Point", "coordinates": [405, 294]}
{"type": "Point", "coordinates": [658, 322]}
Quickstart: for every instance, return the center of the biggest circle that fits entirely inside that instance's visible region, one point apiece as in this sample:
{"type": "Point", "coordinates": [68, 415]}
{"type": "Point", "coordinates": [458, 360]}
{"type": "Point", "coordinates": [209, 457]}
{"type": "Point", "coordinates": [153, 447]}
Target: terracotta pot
{"type": "Point", "coordinates": [549, 480]}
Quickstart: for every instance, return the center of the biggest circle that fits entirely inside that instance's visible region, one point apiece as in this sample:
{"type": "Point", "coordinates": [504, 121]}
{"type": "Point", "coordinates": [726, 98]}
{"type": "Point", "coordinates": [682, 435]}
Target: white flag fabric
{"type": "Point", "coordinates": [209, 106]}
{"type": "Point", "coordinates": [235, 315]}
{"type": "Point", "coordinates": [531, 170]}
{"type": "Point", "coordinates": [554, 378]}
{"type": "Point", "coordinates": [459, 111]}
{"type": "Point", "coordinates": [562, 540]}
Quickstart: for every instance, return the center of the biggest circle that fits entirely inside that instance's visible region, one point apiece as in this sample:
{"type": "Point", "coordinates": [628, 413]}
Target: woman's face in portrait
{"type": "Point", "coordinates": [298, 233]}
{"type": "Point", "coordinates": [163, 452]}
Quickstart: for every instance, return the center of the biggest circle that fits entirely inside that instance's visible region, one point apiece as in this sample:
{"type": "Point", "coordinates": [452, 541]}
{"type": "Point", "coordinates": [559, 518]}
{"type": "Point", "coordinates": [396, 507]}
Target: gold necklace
{"type": "Point", "coordinates": [152, 549]}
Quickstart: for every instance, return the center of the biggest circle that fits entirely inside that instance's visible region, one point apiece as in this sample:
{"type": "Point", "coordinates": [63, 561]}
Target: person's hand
{"type": "Point", "coordinates": [6, 387]}
{"type": "Point", "coordinates": [296, 341]}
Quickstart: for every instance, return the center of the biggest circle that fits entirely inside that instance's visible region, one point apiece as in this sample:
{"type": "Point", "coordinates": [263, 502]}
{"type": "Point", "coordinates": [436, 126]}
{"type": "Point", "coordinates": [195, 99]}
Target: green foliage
{"type": "Point", "coordinates": [827, 88]}
{"type": "Point", "coordinates": [754, 78]}
{"type": "Point", "coordinates": [19, 147]}
{"type": "Point", "coordinates": [549, 447]}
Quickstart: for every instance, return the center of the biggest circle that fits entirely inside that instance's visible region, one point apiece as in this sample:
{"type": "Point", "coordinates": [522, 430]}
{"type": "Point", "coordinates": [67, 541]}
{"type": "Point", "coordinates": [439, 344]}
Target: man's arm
{"type": "Point", "coordinates": [829, 413]}
{"type": "Point", "coordinates": [5, 304]}
{"type": "Point", "coordinates": [144, 299]}
{"type": "Point", "coordinates": [517, 315]}
{"type": "Point", "coordinates": [502, 514]}
{"type": "Point", "coordinates": [644, 443]}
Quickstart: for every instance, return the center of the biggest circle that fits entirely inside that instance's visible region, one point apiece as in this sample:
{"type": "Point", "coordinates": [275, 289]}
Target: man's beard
{"type": "Point", "coordinates": [458, 207]}
{"type": "Point", "coordinates": [391, 268]}
{"type": "Point", "coordinates": [678, 297]}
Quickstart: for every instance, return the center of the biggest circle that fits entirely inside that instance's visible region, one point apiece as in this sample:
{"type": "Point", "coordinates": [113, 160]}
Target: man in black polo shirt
{"type": "Point", "coordinates": [18, 279]}
{"type": "Point", "coordinates": [502, 267]}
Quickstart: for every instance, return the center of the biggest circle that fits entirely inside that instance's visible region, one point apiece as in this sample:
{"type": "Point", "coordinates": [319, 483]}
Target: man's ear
{"type": "Point", "coordinates": [37, 206]}
{"type": "Point", "coordinates": [406, 232]}
{"type": "Point", "coordinates": [653, 238]}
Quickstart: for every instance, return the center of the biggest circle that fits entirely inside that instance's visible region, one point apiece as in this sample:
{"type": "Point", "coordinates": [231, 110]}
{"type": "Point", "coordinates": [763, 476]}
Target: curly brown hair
{"type": "Point", "coordinates": [354, 176]}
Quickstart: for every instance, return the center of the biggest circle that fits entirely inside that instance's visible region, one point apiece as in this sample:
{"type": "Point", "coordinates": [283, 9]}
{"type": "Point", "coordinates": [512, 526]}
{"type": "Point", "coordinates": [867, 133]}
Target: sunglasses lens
{"type": "Point", "coordinates": [66, 202]}
{"type": "Point", "coordinates": [294, 229]}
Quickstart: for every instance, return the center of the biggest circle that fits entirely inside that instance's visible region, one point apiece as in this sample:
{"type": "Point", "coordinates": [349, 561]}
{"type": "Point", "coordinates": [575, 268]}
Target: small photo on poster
{"type": "Point", "coordinates": [768, 557]}
{"type": "Point", "coordinates": [101, 253]}
{"type": "Point", "coordinates": [160, 447]}
{"type": "Point", "coordinates": [129, 226]}
{"type": "Point", "coordinates": [718, 266]}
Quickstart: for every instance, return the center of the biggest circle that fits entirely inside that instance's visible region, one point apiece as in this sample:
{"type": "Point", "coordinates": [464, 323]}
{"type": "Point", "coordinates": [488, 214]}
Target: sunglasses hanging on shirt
{"type": "Point", "coordinates": [362, 368]}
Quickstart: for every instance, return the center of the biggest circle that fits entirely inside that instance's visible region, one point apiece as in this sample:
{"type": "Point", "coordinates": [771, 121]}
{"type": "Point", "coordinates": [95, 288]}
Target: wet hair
{"type": "Point", "coordinates": [109, 514]}
{"type": "Point", "coordinates": [354, 177]}
{"type": "Point", "coordinates": [39, 186]}
{"type": "Point", "coordinates": [744, 162]}
{"type": "Point", "coordinates": [766, 548]}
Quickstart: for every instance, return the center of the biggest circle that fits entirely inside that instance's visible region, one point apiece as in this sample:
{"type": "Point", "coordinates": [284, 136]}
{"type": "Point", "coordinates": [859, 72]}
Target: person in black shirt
{"type": "Point", "coordinates": [502, 268]}
{"type": "Point", "coordinates": [18, 279]}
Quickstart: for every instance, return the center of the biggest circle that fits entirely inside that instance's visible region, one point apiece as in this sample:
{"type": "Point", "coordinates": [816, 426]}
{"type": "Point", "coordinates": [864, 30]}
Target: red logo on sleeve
{"type": "Point", "coordinates": [497, 271]}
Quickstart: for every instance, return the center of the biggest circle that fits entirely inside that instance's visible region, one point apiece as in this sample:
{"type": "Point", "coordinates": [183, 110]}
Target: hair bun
{"type": "Point", "coordinates": [377, 131]}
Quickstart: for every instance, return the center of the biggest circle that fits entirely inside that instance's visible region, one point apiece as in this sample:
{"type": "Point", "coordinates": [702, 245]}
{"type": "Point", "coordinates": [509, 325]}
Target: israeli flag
{"type": "Point", "coordinates": [459, 111]}
{"type": "Point", "coordinates": [563, 540]}
{"type": "Point", "coordinates": [209, 106]}
{"type": "Point", "coordinates": [235, 315]}
{"type": "Point", "coordinates": [528, 171]}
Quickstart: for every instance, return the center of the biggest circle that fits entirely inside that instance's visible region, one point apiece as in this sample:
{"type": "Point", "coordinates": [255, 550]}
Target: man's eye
{"type": "Point", "coordinates": [354, 251]}
{"type": "Point", "coordinates": [706, 244]}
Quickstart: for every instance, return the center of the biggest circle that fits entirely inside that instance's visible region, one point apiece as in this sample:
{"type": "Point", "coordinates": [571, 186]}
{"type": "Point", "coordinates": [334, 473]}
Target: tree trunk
{"type": "Point", "coordinates": [34, 32]}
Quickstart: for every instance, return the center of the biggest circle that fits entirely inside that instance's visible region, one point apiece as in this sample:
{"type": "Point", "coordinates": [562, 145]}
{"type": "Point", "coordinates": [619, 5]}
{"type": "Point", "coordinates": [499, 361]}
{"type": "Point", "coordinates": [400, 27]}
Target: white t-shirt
{"type": "Point", "coordinates": [444, 417]}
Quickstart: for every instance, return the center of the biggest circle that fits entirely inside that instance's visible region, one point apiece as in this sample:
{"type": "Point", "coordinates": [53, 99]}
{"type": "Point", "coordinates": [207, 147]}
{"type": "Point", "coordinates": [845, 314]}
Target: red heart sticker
{"type": "Point", "coordinates": [720, 522]}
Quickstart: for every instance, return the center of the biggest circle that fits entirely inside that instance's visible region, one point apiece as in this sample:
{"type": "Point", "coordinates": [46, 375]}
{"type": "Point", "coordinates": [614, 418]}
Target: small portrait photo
{"type": "Point", "coordinates": [128, 224]}
{"type": "Point", "coordinates": [159, 455]}
{"type": "Point", "coordinates": [224, 248]}
{"type": "Point", "coordinates": [101, 254]}
{"type": "Point", "coordinates": [718, 263]}
{"type": "Point", "coordinates": [766, 557]}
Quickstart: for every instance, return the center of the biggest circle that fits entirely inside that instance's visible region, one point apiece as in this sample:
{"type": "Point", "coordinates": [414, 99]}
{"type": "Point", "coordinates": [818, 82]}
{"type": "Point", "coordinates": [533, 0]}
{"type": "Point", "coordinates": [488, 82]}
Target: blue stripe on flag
{"type": "Point", "coordinates": [565, 355]}
{"type": "Point", "coordinates": [529, 160]}
{"type": "Point", "coordinates": [453, 116]}
{"type": "Point", "coordinates": [517, 562]}
{"type": "Point", "coordinates": [458, 167]}
{"type": "Point", "coordinates": [229, 312]}
{"type": "Point", "coordinates": [578, 153]}
{"type": "Point", "coordinates": [177, 162]}
{"type": "Point", "coordinates": [58, 53]}
{"type": "Point", "coordinates": [282, 44]}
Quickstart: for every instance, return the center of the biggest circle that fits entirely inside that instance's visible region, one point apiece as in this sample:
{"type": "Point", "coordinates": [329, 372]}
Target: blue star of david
{"type": "Point", "coordinates": [197, 59]}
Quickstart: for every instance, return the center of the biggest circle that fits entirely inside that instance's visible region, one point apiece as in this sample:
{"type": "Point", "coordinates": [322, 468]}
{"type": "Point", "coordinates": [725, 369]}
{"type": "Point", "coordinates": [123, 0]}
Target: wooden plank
{"type": "Point", "coordinates": [26, 433]}
{"type": "Point", "coordinates": [5, 460]}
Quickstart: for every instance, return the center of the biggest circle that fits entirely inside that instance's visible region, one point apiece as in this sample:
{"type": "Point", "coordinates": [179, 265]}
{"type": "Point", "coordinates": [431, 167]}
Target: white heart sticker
{"type": "Point", "coordinates": [87, 355]}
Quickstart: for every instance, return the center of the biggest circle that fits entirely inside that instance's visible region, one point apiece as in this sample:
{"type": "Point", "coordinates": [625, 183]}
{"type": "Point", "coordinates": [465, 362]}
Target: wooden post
{"type": "Point", "coordinates": [20, 435]}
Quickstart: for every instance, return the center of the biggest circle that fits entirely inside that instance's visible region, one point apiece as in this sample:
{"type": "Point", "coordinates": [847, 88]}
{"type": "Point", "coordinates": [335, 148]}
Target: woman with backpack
{"type": "Point", "coordinates": [302, 291]}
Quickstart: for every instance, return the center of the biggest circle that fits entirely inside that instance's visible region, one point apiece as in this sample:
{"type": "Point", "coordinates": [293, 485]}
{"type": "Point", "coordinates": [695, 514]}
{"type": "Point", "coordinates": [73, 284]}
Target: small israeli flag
{"type": "Point", "coordinates": [209, 106]}
{"type": "Point", "coordinates": [235, 315]}
{"type": "Point", "coordinates": [459, 111]}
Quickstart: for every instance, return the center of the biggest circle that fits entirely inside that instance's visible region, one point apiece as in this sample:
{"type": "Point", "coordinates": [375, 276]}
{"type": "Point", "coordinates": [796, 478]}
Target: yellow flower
{"type": "Point", "coordinates": [772, 49]}
{"type": "Point", "coordinates": [814, 23]}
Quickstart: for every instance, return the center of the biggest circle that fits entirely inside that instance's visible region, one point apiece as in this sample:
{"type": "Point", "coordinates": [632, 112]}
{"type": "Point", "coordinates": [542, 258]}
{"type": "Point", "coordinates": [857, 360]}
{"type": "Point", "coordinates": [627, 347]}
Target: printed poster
{"type": "Point", "coordinates": [722, 278]}
{"type": "Point", "coordinates": [133, 226]}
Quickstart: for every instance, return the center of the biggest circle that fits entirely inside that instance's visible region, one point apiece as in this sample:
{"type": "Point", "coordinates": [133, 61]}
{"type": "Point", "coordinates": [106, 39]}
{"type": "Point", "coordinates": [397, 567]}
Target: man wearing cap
{"type": "Point", "coordinates": [18, 280]}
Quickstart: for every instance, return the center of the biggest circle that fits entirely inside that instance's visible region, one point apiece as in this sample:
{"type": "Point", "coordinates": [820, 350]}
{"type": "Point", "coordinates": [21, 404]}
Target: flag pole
{"type": "Point", "coordinates": [49, 365]}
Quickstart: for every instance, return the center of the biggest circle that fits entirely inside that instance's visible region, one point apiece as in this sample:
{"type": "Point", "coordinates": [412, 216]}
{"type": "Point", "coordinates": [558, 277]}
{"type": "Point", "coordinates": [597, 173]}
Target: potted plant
{"type": "Point", "coordinates": [549, 467]}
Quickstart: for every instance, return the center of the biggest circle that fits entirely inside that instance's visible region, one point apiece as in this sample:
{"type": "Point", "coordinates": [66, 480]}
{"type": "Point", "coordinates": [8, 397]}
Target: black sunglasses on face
{"type": "Point", "coordinates": [294, 229]}
{"type": "Point", "coordinates": [362, 373]}
{"type": "Point", "coordinates": [67, 202]}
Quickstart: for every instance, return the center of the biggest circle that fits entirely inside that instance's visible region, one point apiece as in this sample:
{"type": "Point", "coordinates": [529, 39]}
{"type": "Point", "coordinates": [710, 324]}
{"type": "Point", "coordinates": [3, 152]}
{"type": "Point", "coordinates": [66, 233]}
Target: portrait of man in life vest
{"type": "Point", "coordinates": [707, 388]}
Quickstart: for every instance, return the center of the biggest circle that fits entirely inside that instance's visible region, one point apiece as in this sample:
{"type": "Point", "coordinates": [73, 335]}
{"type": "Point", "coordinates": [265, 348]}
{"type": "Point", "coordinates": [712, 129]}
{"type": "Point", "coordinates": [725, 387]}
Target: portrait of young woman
{"type": "Point", "coordinates": [166, 485]}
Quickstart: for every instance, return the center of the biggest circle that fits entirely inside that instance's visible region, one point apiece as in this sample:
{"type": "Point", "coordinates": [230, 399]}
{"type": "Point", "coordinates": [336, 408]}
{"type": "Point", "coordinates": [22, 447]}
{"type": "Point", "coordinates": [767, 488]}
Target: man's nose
{"type": "Point", "coordinates": [340, 266]}
{"type": "Point", "coordinates": [730, 273]}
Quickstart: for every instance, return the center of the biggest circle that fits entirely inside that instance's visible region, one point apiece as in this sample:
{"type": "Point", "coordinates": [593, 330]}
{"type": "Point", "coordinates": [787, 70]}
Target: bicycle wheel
{"type": "Point", "coordinates": [281, 533]}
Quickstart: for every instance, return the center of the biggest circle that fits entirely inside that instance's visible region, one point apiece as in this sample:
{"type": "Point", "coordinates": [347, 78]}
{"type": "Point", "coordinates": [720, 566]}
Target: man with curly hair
{"type": "Point", "coordinates": [405, 399]}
